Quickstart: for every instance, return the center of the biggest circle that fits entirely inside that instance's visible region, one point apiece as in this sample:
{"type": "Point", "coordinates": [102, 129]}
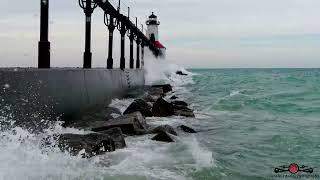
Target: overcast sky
{"type": "Point", "coordinates": [206, 33]}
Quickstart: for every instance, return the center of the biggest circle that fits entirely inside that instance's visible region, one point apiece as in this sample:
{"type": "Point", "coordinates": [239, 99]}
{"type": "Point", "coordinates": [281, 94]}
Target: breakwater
{"type": "Point", "coordinates": [110, 127]}
{"type": "Point", "coordinates": [27, 92]}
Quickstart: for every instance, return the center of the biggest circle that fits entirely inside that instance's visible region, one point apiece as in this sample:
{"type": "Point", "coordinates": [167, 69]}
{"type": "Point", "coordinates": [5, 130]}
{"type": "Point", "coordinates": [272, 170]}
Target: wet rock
{"type": "Point", "coordinates": [180, 103]}
{"type": "Point", "coordinates": [165, 128]}
{"type": "Point", "coordinates": [178, 107]}
{"type": "Point", "coordinates": [131, 124]}
{"type": "Point", "coordinates": [181, 109]}
{"type": "Point", "coordinates": [91, 119]}
{"type": "Point", "coordinates": [187, 129]}
{"type": "Point", "coordinates": [156, 91]}
{"type": "Point", "coordinates": [165, 87]}
{"type": "Point", "coordinates": [117, 137]}
{"type": "Point", "coordinates": [87, 146]}
{"type": "Point", "coordinates": [184, 112]}
{"type": "Point", "coordinates": [141, 106]}
{"type": "Point", "coordinates": [163, 137]}
{"type": "Point", "coordinates": [162, 108]}
{"type": "Point", "coordinates": [174, 97]}
{"type": "Point", "coordinates": [150, 98]}
{"type": "Point", "coordinates": [181, 73]}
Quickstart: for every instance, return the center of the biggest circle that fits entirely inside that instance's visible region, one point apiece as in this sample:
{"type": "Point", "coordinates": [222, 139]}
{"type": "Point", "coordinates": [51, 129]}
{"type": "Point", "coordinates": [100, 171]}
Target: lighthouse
{"type": "Point", "coordinates": [153, 33]}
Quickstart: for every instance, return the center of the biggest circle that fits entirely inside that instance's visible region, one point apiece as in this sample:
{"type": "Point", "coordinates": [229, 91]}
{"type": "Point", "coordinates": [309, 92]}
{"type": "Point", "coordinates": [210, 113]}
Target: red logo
{"type": "Point", "coordinates": [293, 169]}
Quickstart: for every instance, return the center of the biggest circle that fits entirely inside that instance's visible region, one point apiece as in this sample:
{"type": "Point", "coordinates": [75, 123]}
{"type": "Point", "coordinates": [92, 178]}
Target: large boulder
{"type": "Point", "coordinates": [88, 120]}
{"type": "Point", "coordinates": [156, 91]}
{"type": "Point", "coordinates": [165, 128]}
{"type": "Point", "coordinates": [162, 108]}
{"type": "Point", "coordinates": [181, 73]}
{"type": "Point", "coordinates": [181, 109]}
{"type": "Point", "coordinates": [165, 87]}
{"type": "Point", "coordinates": [163, 137]}
{"type": "Point", "coordinates": [141, 106]}
{"type": "Point", "coordinates": [86, 145]}
{"type": "Point", "coordinates": [187, 129]}
{"type": "Point", "coordinates": [131, 124]}
{"type": "Point", "coordinates": [174, 97]}
{"type": "Point", "coordinates": [117, 137]}
{"type": "Point", "coordinates": [150, 98]}
{"type": "Point", "coordinates": [180, 103]}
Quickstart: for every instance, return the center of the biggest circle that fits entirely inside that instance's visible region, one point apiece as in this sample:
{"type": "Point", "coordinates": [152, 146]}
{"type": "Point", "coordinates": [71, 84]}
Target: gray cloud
{"type": "Point", "coordinates": [215, 33]}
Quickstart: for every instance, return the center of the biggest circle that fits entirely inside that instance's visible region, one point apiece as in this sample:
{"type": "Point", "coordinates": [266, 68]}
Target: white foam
{"type": "Point", "coordinates": [203, 158]}
{"type": "Point", "coordinates": [159, 70]}
{"type": "Point", "coordinates": [22, 157]}
{"type": "Point", "coordinates": [234, 93]}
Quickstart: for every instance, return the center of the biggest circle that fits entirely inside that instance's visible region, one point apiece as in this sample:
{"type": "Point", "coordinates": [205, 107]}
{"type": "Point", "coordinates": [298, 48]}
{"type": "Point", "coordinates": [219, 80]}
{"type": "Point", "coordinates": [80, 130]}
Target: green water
{"type": "Point", "coordinates": [249, 122]}
{"type": "Point", "coordinates": [257, 120]}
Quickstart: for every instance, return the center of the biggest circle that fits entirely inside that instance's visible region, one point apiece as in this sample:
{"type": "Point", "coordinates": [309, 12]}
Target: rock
{"type": "Point", "coordinates": [150, 98]}
{"type": "Point", "coordinates": [178, 107]}
{"type": "Point", "coordinates": [89, 120]}
{"type": "Point", "coordinates": [181, 109]}
{"type": "Point", "coordinates": [131, 124]}
{"type": "Point", "coordinates": [165, 128]}
{"type": "Point", "coordinates": [141, 106]}
{"type": "Point", "coordinates": [184, 112]}
{"type": "Point", "coordinates": [181, 73]}
{"type": "Point", "coordinates": [174, 97]}
{"type": "Point", "coordinates": [180, 103]}
{"type": "Point", "coordinates": [87, 146]}
{"type": "Point", "coordinates": [156, 91]}
{"type": "Point", "coordinates": [161, 108]}
{"type": "Point", "coordinates": [117, 137]}
{"type": "Point", "coordinates": [187, 129]}
{"type": "Point", "coordinates": [163, 137]}
{"type": "Point", "coordinates": [165, 87]}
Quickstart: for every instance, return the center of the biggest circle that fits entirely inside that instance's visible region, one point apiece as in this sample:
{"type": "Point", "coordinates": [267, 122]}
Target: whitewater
{"type": "Point", "coordinates": [23, 156]}
{"type": "Point", "coordinates": [249, 122]}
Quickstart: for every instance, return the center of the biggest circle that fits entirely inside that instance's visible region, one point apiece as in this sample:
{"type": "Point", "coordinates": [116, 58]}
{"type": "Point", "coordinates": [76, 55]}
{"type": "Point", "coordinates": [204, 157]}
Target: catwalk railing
{"type": "Point", "coordinates": [113, 19]}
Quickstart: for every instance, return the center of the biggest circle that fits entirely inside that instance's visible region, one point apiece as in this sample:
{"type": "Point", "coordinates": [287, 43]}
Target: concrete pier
{"type": "Point", "coordinates": [65, 90]}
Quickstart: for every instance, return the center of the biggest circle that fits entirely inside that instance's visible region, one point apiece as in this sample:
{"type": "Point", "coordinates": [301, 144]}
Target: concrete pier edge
{"type": "Point", "coordinates": [66, 90]}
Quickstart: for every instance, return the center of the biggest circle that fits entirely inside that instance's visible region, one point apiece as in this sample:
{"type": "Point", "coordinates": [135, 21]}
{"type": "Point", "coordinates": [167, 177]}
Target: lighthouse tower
{"type": "Point", "coordinates": [153, 33]}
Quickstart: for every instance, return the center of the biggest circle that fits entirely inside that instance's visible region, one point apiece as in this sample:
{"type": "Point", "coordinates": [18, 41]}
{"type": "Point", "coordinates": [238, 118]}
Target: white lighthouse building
{"type": "Point", "coordinates": [153, 33]}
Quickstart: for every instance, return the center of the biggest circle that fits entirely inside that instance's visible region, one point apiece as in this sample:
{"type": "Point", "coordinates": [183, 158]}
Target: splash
{"type": "Point", "coordinates": [23, 156]}
{"type": "Point", "coordinates": [161, 71]}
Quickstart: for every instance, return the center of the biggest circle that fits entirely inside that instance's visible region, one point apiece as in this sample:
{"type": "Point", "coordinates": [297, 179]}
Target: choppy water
{"type": "Point", "coordinates": [250, 121]}
{"type": "Point", "coordinates": [260, 119]}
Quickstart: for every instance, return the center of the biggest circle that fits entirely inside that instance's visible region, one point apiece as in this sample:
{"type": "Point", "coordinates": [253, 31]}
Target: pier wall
{"type": "Point", "coordinates": [65, 90]}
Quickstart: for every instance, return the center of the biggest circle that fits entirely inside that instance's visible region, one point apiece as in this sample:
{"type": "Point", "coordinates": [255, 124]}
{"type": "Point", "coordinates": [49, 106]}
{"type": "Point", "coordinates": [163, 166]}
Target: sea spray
{"type": "Point", "coordinates": [160, 70]}
{"type": "Point", "coordinates": [22, 155]}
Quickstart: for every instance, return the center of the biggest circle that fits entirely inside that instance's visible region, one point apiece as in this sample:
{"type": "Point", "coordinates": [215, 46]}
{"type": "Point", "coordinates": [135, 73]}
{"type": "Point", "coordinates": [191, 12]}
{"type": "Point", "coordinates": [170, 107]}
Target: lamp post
{"type": "Point", "coordinates": [110, 22]}
{"type": "Point", "coordinates": [88, 7]}
{"type": "Point", "coordinates": [44, 44]}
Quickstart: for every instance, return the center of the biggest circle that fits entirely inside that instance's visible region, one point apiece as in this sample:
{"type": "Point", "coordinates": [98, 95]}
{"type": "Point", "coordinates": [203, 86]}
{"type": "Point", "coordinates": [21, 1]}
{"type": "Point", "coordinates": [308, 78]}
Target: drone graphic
{"type": "Point", "coordinates": [293, 169]}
